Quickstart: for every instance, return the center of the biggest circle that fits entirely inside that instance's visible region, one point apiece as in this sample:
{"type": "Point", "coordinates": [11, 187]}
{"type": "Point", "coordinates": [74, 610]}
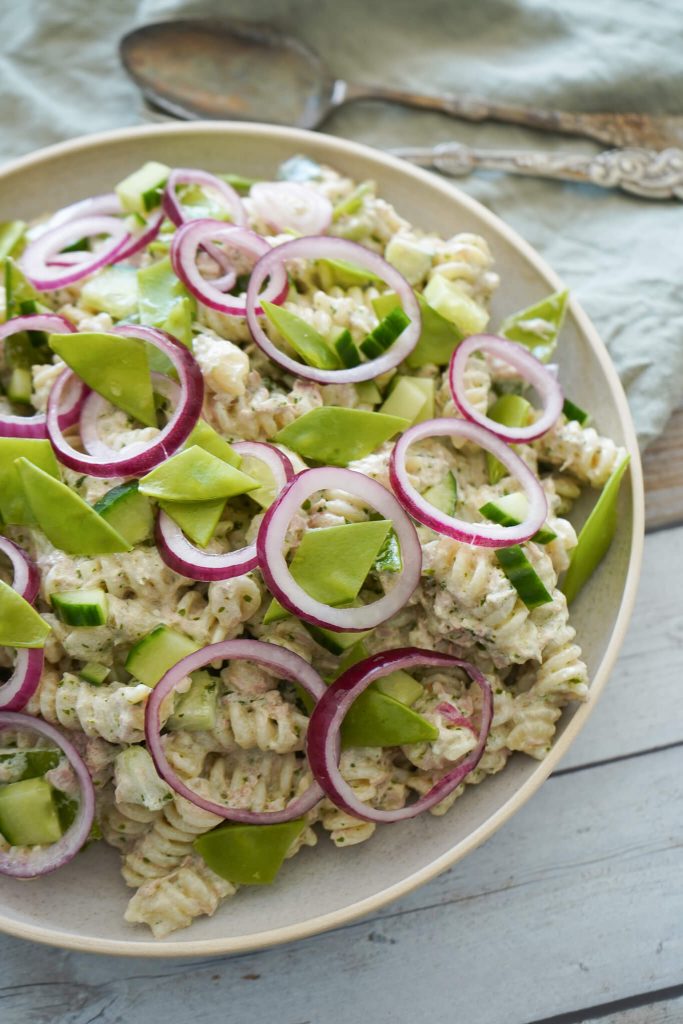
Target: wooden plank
{"type": "Point", "coordinates": [667, 1011]}
{"type": "Point", "coordinates": [663, 473]}
{"type": "Point", "coordinates": [575, 903]}
{"type": "Point", "coordinates": [635, 711]}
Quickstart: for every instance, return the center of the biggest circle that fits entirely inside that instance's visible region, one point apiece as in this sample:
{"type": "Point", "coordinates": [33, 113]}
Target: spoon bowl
{"type": "Point", "coordinates": [228, 69]}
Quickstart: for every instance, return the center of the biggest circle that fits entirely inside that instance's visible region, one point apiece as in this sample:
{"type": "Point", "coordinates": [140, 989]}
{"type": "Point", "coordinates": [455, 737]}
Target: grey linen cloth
{"type": "Point", "coordinates": [621, 256]}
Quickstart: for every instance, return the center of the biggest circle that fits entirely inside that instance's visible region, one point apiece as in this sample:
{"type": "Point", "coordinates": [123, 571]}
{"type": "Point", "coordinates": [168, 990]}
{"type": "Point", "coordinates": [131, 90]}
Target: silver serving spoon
{"type": "Point", "coordinates": [226, 68]}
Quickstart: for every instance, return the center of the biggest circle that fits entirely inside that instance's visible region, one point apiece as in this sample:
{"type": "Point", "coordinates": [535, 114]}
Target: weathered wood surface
{"type": "Point", "coordinates": [572, 913]}
{"type": "Point", "coordinates": [663, 470]}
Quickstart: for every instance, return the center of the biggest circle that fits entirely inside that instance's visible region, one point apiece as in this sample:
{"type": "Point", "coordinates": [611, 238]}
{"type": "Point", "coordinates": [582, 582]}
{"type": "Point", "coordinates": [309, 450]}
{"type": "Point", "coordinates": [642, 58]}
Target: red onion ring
{"type": "Point", "coordinates": [322, 247]}
{"type": "Point", "coordinates": [35, 260]}
{"type": "Point", "coordinates": [484, 535]}
{"type": "Point", "coordinates": [106, 205]}
{"type": "Point", "coordinates": [271, 540]}
{"type": "Point", "coordinates": [291, 206]}
{"type": "Point", "coordinates": [194, 563]}
{"type": "Point", "coordinates": [287, 665]}
{"type": "Point", "coordinates": [196, 234]}
{"type": "Point", "coordinates": [139, 240]}
{"type": "Point", "coordinates": [95, 405]}
{"type": "Point", "coordinates": [29, 862]}
{"type": "Point", "coordinates": [323, 745]}
{"type": "Point", "coordinates": [28, 667]}
{"type": "Point", "coordinates": [528, 366]}
{"type": "Point", "coordinates": [453, 716]}
{"type": "Point", "coordinates": [174, 209]}
{"type": "Point", "coordinates": [171, 437]}
{"type": "Point", "coordinates": [35, 426]}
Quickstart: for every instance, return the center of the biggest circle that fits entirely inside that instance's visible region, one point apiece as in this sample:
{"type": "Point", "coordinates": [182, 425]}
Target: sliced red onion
{"type": "Point", "coordinates": [174, 209]}
{"type": "Point", "coordinates": [140, 239]}
{"type": "Point", "coordinates": [31, 861]}
{"type": "Point", "coordinates": [26, 580]}
{"type": "Point", "coordinates": [286, 665]}
{"type": "Point", "coordinates": [199, 233]}
{"type": "Point", "coordinates": [453, 716]}
{"type": "Point", "coordinates": [96, 405]}
{"type": "Point", "coordinates": [291, 206]}
{"type": "Point", "coordinates": [194, 563]}
{"type": "Point", "coordinates": [35, 260]}
{"type": "Point", "coordinates": [28, 667]}
{"type": "Point", "coordinates": [322, 247]}
{"type": "Point", "coordinates": [324, 746]}
{"type": "Point", "coordinates": [534, 372]}
{"type": "Point", "coordinates": [106, 205]}
{"type": "Point", "coordinates": [270, 544]}
{"type": "Point", "coordinates": [170, 438]}
{"type": "Point", "coordinates": [484, 535]}
{"type": "Point", "coordinates": [35, 426]}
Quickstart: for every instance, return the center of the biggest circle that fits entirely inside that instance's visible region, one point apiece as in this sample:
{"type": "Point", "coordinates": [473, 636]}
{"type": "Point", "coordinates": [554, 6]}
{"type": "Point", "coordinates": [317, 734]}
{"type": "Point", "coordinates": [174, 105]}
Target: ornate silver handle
{"type": "Point", "coordinates": [644, 172]}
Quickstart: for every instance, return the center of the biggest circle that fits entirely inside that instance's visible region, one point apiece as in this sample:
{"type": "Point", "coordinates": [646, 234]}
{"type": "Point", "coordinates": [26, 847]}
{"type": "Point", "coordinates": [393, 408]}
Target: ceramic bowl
{"type": "Point", "coordinates": [81, 906]}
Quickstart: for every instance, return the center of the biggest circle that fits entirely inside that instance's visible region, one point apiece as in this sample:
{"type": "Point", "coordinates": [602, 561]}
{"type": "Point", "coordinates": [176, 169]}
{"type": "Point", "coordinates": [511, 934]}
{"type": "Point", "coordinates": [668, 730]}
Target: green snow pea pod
{"type": "Point", "coordinates": [538, 326]}
{"type": "Point", "coordinates": [331, 564]}
{"type": "Point", "coordinates": [596, 535]}
{"type": "Point", "coordinates": [114, 366]}
{"type": "Point", "coordinates": [211, 441]}
{"type": "Point", "coordinates": [195, 475]}
{"type": "Point", "coordinates": [20, 624]}
{"type": "Point", "coordinates": [311, 346]}
{"type": "Point", "coordinates": [66, 520]}
{"type": "Point", "coordinates": [13, 505]}
{"type": "Point", "coordinates": [248, 854]}
{"type": "Point", "coordinates": [113, 290]}
{"type": "Point", "coordinates": [164, 302]}
{"type": "Point", "coordinates": [11, 236]}
{"type": "Point", "coordinates": [336, 435]}
{"type": "Point", "coordinates": [197, 519]}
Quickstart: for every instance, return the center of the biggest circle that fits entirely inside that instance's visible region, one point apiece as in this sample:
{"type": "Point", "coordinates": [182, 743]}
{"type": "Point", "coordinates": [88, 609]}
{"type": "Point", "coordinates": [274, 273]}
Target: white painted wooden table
{"type": "Point", "coordinates": [572, 913]}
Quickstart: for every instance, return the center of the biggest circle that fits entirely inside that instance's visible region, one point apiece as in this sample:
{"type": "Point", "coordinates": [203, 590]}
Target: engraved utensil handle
{"type": "Point", "coordinates": [629, 129]}
{"type": "Point", "coordinates": [646, 173]}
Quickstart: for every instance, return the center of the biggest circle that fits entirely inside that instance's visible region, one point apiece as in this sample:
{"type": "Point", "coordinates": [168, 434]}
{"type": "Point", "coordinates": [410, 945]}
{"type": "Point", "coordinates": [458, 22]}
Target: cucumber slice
{"type": "Point", "coordinates": [94, 673]}
{"type": "Point", "coordinates": [81, 607]}
{"type": "Point", "coordinates": [575, 412]}
{"type": "Point", "coordinates": [368, 392]}
{"type": "Point", "coordinates": [195, 711]}
{"type": "Point", "coordinates": [128, 511]}
{"type": "Point", "coordinates": [523, 576]}
{"type": "Point", "coordinates": [512, 411]}
{"type": "Point", "coordinates": [141, 191]}
{"type": "Point", "coordinates": [28, 814]}
{"type": "Point", "coordinates": [405, 399]}
{"type": "Point", "coordinates": [455, 305]}
{"type": "Point", "coordinates": [152, 656]}
{"type": "Point", "coordinates": [28, 763]}
{"type": "Point", "coordinates": [444, 496]}
{"type": "Point", "coordinates": [20, 386]}
{"type": "Point", "coordinates": [511, 510]}
{"type": "Point", "coordinates": [385, 333]}
{"type": "Point", "coordinates": [345, 348]}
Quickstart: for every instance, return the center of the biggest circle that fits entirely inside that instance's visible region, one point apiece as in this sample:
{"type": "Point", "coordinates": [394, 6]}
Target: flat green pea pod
{"type": "Point", "coordinates": [596, 535]}
{"type": "Point", "coordinates": [13, 505]}
{"type": "Point", "coordinates": [20, 295]}
{"type": "Point", "coordinates": [164, 302]}
{"type": "Point", "coordinates": [113, 290]}
{"type": "Point", "coordinates": [332, 563]}
{"type": "Point", "coordinates": [336, 435]}
{"type": "Point", "coordinates": [114, 366]}
{"type": "Point", "coordinates": [311, 346]}
{"type": "Point", "coordinates": [195, 475]}
{"type": "Point", "coordinates": [20, 624]}
{"type": "Point", "coordinates": [377, 720]}
{"type": "Point", "coordinates": [538, 326]}
{"type": "Point", "coordinates": [66, 520]}
{"type": "Point", "coordinates": [248, 854]}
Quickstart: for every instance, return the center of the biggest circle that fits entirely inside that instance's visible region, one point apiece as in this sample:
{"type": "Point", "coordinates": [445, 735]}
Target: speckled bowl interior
{"type": "Point", "coordinates": [82, 906]}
